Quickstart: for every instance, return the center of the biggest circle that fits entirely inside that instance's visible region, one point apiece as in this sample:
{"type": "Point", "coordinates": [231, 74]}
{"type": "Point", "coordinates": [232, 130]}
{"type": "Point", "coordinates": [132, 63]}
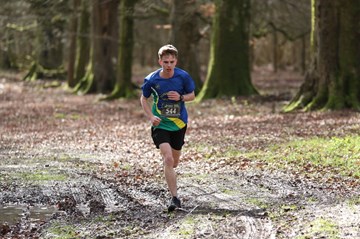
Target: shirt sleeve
{"type": "Point", "coordinates": [189, 84]}
{"type": "Point", "coordinates": [146, 88]}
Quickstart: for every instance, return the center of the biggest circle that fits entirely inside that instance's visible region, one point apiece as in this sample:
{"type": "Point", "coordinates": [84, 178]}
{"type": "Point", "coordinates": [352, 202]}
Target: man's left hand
{"type": "Point", "coordinates": [173, 95]}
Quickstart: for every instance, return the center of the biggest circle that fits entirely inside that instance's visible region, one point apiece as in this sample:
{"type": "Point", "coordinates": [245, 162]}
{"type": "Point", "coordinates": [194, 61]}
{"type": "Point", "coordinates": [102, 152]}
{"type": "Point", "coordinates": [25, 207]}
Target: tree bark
{"type": "Point", "coordinates": [303, 55]}
{"type": "Point", "coordinates": [275, 50]}
{"type": "Point", "coordinates": [185, 36]}
{"type": "Point", "coordinates": [104, 17]}
{"type": "Point", "coordinates": [71, 80]}
{"type": "Point", "coordinates": [100, 76]}
{"type": "Point", "coordinates": [332, 82]}
{"type": "Point", "coordinates": [229, 66]}
{"type": "Point", "coordinates": [48, 62]}
{"type": "Point", "coordinates": [124, 86]}
{"type": "Point", "coordinates": [83, 43]}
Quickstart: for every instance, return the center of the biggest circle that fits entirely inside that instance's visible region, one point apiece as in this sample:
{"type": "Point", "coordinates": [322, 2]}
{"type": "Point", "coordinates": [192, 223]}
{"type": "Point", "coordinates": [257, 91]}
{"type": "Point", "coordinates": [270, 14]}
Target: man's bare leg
{"type": "Point", "coordinates": [169, 163]}
{"type": "Point", "coordinates": [176, 155]}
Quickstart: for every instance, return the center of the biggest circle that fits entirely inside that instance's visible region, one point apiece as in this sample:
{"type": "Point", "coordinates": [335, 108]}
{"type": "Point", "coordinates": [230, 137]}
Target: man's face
{"type": "Point", "coordinates": [168, 63]}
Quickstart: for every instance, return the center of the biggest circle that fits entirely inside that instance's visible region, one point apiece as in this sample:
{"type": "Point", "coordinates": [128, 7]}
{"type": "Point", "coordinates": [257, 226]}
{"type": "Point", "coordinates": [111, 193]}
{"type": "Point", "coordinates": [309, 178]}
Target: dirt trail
{"type": "Point", "coordinates": [92, 169]}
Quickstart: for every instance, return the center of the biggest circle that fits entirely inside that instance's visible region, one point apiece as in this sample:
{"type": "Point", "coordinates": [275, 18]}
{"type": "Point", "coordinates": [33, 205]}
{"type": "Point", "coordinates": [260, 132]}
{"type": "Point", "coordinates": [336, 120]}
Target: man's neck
{"type": "Point", "coordinates": [166, 75]}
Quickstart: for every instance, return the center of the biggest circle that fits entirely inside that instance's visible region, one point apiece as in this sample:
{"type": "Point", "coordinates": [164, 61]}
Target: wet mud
{"type": "Point", "coordinates": [73, 167]}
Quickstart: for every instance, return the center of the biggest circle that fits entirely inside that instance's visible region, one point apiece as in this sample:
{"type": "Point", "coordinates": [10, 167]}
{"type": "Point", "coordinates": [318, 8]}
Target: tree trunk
{"type": "Point", "coordinates": [124, 86]}
{"type": "Point", "coordinates": [303, 54]}
{"type": "Point", "coordinates": [51, 48]}
{"type": "Point", "coordinates": [229, 66]}
{"type": "Point", "coordinates": [104, 19]}
{"type": "Point", "coordinates": [48, 61]}
{"type": "Point", "coordinates": [100, 76]}
{"type": "Point", "coordinates": [5, 62]}
{"type": "Point", "coordinates": [72, 48]}
{"type": "Point", "coordinates": [83, 43]}
{"type": "Point", "coordinates": [185, 36]}
{"type": "Point", "coordinates": [332, 82]}
{"type": "Point", "coordinates": [275, 50]}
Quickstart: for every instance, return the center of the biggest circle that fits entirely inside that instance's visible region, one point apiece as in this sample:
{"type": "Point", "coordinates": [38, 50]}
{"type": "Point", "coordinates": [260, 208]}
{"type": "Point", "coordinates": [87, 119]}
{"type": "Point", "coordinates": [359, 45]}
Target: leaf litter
{"type": "Point", "coordinates": [92, 167]}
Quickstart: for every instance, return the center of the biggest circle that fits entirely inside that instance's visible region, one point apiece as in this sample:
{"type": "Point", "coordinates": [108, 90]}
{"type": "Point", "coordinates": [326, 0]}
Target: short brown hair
{"type": "Point", "coordinates": [168, 49]}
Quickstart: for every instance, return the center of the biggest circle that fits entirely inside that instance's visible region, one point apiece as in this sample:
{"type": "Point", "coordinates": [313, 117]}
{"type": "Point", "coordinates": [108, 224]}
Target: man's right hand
{"type": "Point", "coordinates": [155, 121]}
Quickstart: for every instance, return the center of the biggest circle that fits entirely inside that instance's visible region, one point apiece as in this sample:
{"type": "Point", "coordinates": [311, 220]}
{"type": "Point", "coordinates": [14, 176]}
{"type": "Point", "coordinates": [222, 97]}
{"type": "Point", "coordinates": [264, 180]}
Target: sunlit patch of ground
{"type": "Point", "coordinates": [94, 162]}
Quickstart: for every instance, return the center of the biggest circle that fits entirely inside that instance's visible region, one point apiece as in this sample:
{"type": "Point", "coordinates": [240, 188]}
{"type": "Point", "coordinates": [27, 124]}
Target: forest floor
{"type": "Point", "coordinates": [75, 167]}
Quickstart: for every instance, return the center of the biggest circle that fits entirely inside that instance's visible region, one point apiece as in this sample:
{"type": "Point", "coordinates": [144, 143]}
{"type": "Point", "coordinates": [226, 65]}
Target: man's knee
{"type": "Point", "coordinates": [169, 161]}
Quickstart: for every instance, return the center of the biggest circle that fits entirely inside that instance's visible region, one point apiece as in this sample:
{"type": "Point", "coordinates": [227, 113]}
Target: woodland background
{"type": "Point", "coordinates": [98, 45]}
{"type": "Point", "coordinates": [76, 160]}
{"type": "Point", "coordinates": [80, 41]}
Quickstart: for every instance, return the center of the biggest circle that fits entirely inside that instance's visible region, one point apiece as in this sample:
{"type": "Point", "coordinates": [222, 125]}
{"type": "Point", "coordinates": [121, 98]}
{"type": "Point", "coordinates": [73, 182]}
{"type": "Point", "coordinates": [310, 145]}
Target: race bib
{"type": "Point", "coordinates": [171, 110]}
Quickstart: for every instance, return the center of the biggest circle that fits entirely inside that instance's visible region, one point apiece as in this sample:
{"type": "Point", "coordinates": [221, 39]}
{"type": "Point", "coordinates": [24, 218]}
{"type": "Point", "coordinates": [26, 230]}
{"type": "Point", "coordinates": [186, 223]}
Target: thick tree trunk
{"type": "Point", "coordinates": [333, 81]}
{"type": "Point", "coordinates": [349, 55]}
{"type": "Point", "coordinates": [104, 20]}
{"type": "Point", "coordinates": [185, 36]}
{"type": "Point", "coordinates": [48, 61]}
{"type": "Point", "coordinates": [100, 76]}
{"type": "Point", "coordinates": [124, 86]}
{"type": "Point", "coordinates": [51, 48]}
{"type": "Point", "coordinates": [5, 63]}
{"type": "Point", "coordinates": [71, 80]}
{"type": "Point", "coordinates": [275, 50]}
{"type": "Point", "coordinates": [303, 54]}
{"type": "Point", "coordinates": [83, 43]}
{"type": "Point", "coordinates": [229, 66]}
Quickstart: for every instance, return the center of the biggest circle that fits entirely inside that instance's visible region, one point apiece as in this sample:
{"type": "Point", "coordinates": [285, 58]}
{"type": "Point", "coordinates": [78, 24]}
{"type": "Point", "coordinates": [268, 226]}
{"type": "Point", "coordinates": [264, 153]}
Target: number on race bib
{"type": "Point", "coordinates": [171, 110]}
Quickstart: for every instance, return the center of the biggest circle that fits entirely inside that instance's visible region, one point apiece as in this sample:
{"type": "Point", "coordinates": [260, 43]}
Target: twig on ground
{"type": "Point", "coordinates": [188, 211]}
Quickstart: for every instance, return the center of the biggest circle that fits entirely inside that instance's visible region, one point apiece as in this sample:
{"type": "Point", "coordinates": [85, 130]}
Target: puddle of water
{"type": "Point", "coordinates": [12, 214]}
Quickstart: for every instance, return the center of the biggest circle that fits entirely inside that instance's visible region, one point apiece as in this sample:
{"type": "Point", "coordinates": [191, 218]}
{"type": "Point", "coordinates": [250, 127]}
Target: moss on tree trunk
{"type": "Point", "coordinates": [101, 78]}
{"type": "Point", "coordinates": [48, 57]}
{"type": "Point", "coordinates": [83, 43]}
{"type": "Point", "coordinates": [229, 66]}
{"type": "Point", "coordinates": [185, 36]}
{"type": "Point", "coordinates": [124, 87]}
{"type": "Point", "coordinates": [335, 68]}
{"type": "Point", "coordinates": [73, 44]}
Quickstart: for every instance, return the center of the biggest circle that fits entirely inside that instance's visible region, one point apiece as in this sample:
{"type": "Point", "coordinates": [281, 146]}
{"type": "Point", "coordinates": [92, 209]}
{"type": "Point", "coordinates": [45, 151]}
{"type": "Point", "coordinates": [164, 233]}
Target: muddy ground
{"type": "Point", "coordinates": [75, 167]}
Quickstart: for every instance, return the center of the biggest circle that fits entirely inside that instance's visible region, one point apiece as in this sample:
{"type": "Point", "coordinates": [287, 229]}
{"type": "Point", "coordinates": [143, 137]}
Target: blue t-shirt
{"type": "Point", "coordinates": [157, 86]}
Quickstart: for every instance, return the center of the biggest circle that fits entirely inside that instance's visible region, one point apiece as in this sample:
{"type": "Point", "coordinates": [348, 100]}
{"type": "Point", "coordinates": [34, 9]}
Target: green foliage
{"type": "Point", "coordinates": [67, 116]}
{"type": "Point", "coordinates": [40, 175]}
{"type": "Point", "coordinates": [257, 202]}
{"type": "Point", "coordinates": [340, 154]}
{"type": "Point", "coordinates": [322, 228]}
{"type": "Point", "coordinates": [62, 231]}
{"type": "Point", "coordinates": [354, 201]}
{"type": "Point", "coordinates": [187, 227]}
{"type": "Point", "coordinates": [287, 208]}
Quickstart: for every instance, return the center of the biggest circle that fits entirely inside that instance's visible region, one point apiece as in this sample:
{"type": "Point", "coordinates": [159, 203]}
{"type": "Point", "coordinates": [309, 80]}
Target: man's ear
{"type": "Point", "coordinates": [160, 62]}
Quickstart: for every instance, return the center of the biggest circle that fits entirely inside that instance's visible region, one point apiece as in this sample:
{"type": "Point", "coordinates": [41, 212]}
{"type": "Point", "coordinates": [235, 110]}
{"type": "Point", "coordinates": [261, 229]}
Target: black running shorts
{"type": "Point", "coordinates": [174, 138]}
